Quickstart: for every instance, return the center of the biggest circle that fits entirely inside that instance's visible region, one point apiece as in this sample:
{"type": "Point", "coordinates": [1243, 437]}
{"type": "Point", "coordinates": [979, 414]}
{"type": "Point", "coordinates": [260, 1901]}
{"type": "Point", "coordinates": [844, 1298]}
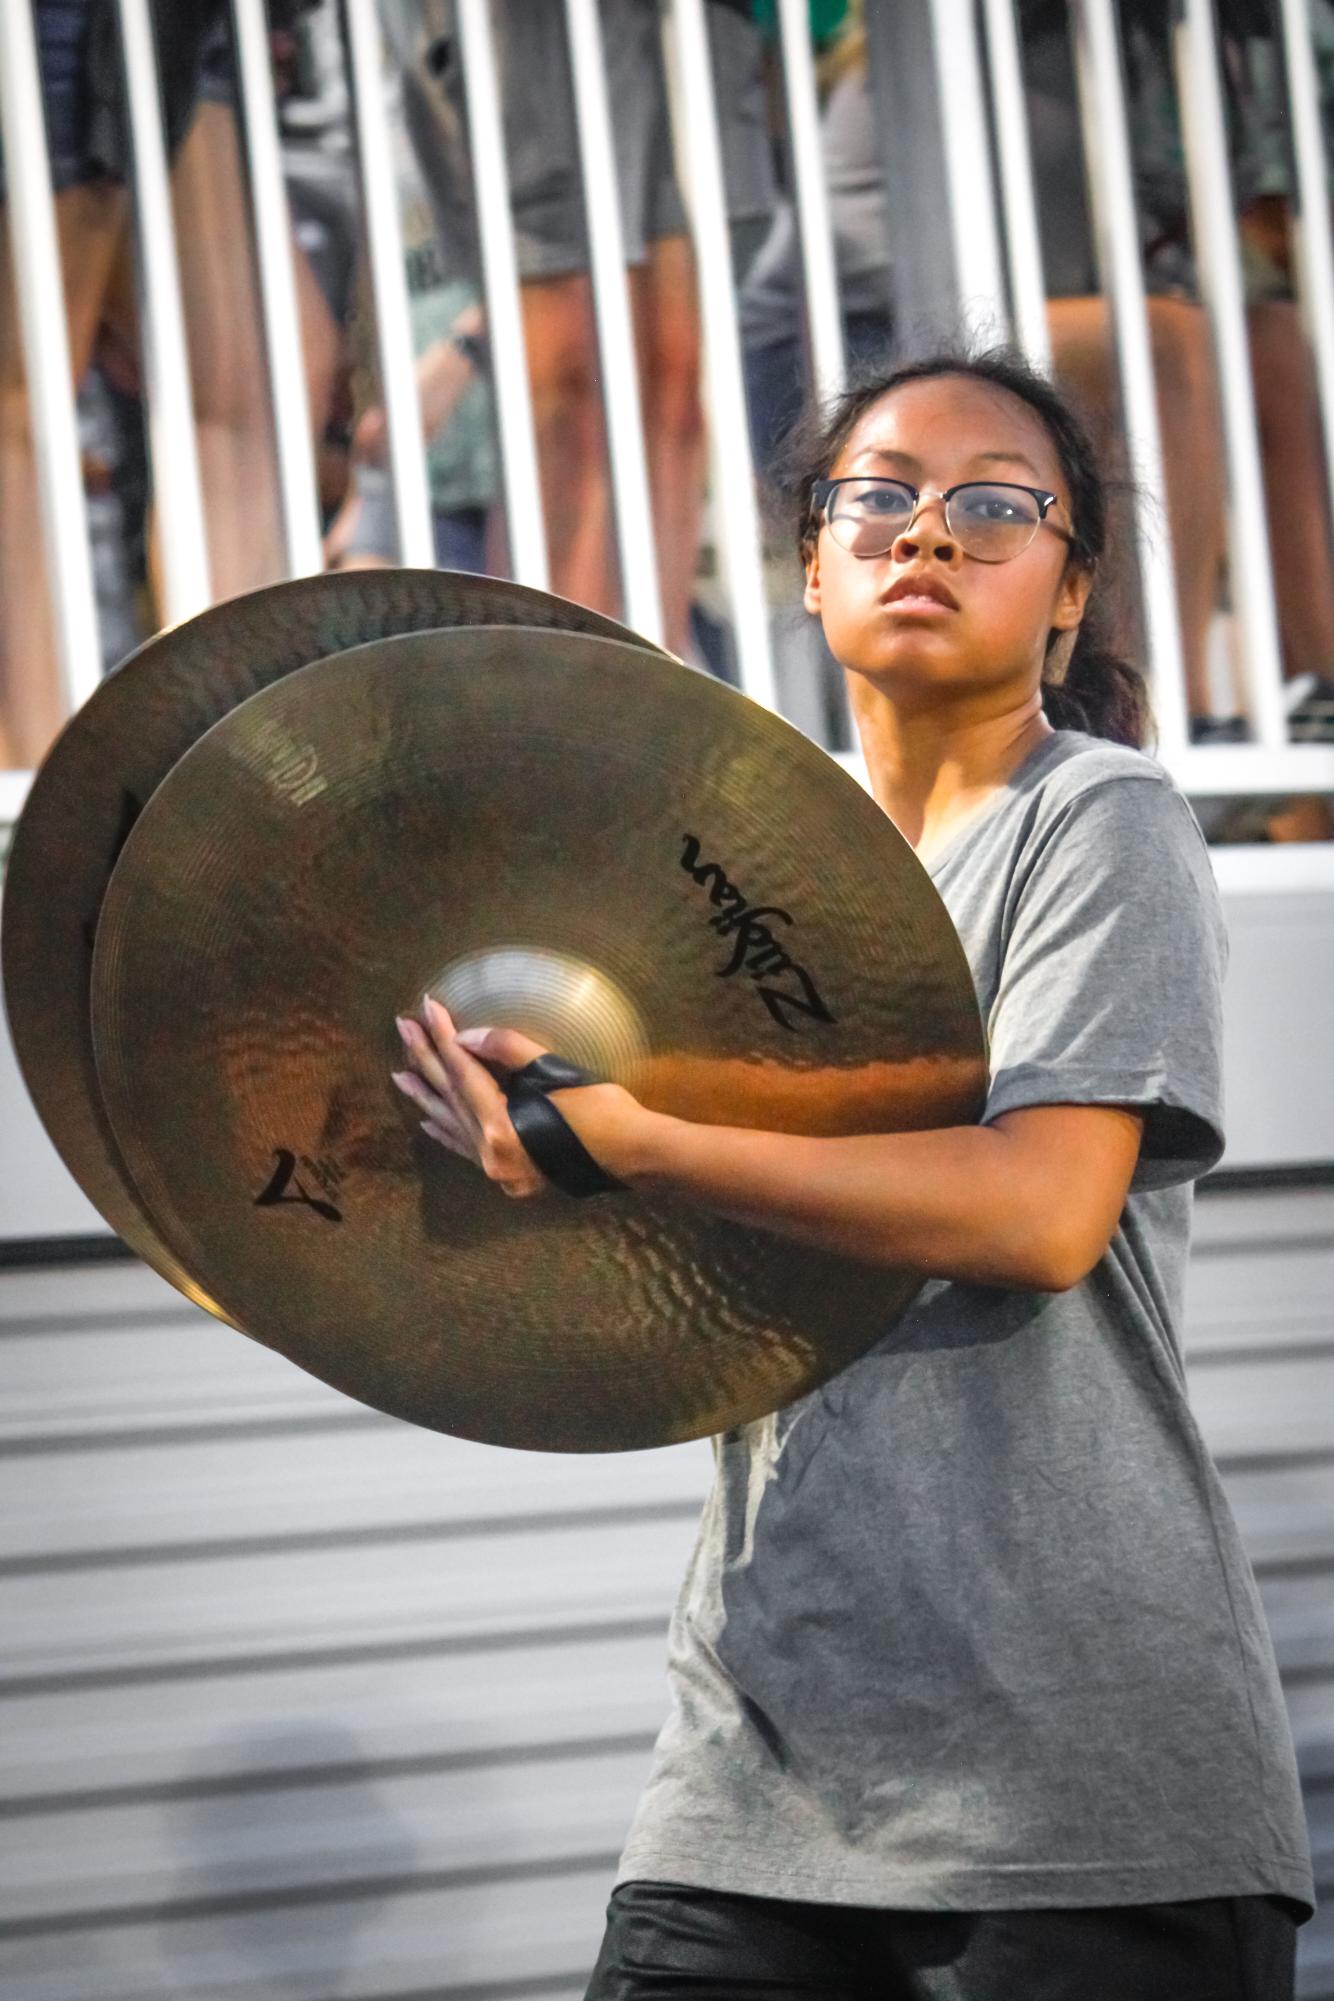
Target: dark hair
{"type": "Point", "coordinates": [1099, 691]}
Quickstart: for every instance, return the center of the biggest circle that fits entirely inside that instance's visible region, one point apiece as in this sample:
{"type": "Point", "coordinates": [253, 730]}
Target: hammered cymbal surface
{"type": "Point", "coordinates": [109, 761]}
{"type": "Point", "coordinates": [639, 866]}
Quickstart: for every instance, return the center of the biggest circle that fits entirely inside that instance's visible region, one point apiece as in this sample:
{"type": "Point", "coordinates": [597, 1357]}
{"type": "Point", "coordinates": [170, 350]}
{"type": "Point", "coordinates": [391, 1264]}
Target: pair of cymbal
{"type": "Point", "coordinates": [281, 824]}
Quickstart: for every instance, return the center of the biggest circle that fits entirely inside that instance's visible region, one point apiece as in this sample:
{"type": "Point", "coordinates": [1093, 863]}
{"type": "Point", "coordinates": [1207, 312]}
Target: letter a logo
{"type": "Point", "coordinates": [284, 1177]}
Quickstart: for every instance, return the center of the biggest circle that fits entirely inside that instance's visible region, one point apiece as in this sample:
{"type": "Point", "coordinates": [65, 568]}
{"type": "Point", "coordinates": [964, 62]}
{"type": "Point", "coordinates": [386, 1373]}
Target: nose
{"type": "Point", "coordinates": [926, 530]}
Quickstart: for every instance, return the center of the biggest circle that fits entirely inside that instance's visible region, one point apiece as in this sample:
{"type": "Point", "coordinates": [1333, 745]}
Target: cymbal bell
{"type": "Point", "coordinates": [636, 865]}
{"type": "Point", "coordinates": [109, 761]}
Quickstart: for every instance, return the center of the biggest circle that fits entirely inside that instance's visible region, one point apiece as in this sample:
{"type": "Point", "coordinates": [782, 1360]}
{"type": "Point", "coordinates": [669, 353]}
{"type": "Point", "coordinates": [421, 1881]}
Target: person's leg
{"type": "Point", "coordinates": [541, 148]}
{"type": "Point", "coordinates": [667, 334]}
{"type": "Point", "coordinates": [666, 1942]}
{"type": "Point", "coordinates": [322, 347]}
{"type": "Point", "coordinates": [1298, 502]}
{"type": "Point", "coordinates": [228, 372]}
{"type": "Point", "coordinates": [1192, 457]}
{"type": "Point", "coordinates": [567, 416]}
{"type": "Point", "coordinates": [1212, 1949]}
{"type": "Point", "coordinates": [90, 225]}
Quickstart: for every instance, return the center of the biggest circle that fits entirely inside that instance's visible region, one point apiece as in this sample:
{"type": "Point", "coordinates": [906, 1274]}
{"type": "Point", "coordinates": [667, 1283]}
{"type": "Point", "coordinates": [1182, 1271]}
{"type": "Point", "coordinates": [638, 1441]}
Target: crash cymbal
{"type": "Point", "coordinates": [111, 759]}
{"type": "Point", "coordinates": [643, 869]}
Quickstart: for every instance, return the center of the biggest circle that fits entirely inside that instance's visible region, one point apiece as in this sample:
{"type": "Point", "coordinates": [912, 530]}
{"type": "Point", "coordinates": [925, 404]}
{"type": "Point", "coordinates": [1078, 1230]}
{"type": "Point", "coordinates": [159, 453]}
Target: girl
{"type": "Point", "coordinates": [972, 1697]}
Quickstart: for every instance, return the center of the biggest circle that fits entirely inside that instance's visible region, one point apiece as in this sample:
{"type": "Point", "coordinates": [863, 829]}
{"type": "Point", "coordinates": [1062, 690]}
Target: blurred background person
{"type": "Point", "coordinates": [79, 59]}
{"type": "Point", "coordinates": [551, 240]}
{"type": "Point", "coordinates": [1189, 411]}
{"type": "Point", "coordinates": [448, 333]}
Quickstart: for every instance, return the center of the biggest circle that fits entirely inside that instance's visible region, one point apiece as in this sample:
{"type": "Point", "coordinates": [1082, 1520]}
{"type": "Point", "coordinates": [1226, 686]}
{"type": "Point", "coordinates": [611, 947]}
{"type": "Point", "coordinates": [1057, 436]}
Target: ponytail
{"type": "Point", "coordinates": [1099, 692]}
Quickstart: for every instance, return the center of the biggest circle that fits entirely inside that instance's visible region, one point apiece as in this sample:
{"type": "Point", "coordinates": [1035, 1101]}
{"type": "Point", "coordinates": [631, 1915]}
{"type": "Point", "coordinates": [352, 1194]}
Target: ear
{"type": "Point", "coordinates": [1071, 598]}
{"type": "Point", "coordinates": [810, 596]}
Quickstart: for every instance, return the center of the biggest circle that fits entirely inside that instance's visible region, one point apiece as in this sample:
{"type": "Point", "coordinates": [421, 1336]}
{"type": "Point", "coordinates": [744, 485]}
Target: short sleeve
{"type": "Point", "coordinates": [1110, 988]}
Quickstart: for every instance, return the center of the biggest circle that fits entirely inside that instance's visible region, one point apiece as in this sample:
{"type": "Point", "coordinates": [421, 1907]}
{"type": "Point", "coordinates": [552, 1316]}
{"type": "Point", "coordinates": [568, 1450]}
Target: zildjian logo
{"type": "Point", "coordinates": [285, 1186]}
{"type": "Point", "coordinates": [756, 950]}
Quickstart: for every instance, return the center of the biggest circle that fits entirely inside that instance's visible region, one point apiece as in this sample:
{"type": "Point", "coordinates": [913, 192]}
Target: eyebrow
{"type": "Point", "coordinates": [979, 458]}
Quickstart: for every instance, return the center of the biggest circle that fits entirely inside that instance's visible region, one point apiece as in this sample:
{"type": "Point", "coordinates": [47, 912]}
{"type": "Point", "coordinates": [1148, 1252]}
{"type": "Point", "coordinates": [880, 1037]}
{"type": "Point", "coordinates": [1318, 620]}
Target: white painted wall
{"type": "Point", "coordinates": [38, 1196]}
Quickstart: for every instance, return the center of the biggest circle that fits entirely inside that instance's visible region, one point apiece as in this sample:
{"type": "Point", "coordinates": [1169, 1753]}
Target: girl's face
{"type": "Point", "coordinates": [987, 646]}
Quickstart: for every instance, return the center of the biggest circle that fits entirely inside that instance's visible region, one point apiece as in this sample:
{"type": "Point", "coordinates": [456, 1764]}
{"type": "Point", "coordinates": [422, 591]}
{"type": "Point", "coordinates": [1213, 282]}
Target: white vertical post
{"type": "Point", "coordinates": [41, 306]}
{"type": "Point", "coordinates": [179, 510]}
{"type": "Point", "coordinates": [277, 290]}
{"type": "Point", "coordinates": [1102, 107]}
{"type": "Point", "coordinates": [736, 509]}
{"type": "Point", "coordinates": [611, 306]}
{"type": "Point", "coordinates": [389, 286]}
{"type": "Point", "coordinates": [504, 310]}
{"type": "Point", "coordinates": [967, 155]}
{"type": "Point", "coordinates": [1023, 246]}
{"type": "Point", "coordinates": [1313, 243]}
{"type": "Point", "coordinates": [814, 222]}
{"type": "Point", "coordinates": [1219, 257]}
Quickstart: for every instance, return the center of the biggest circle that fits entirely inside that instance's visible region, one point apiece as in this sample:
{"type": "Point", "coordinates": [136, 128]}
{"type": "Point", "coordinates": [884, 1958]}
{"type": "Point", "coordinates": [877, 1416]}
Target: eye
{"type": "Point", "coordinates": [997, 506]}
{"type": "Point", "coordinates": [884, 499]}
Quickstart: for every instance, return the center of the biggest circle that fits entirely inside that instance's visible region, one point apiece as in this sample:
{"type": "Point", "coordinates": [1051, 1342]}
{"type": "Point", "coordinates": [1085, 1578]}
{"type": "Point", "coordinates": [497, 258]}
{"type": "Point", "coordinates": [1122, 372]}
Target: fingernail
{"type": "Point", "coordinates": [404, 1027]}
{"type": "Point", "coordinates": [470, 1037]}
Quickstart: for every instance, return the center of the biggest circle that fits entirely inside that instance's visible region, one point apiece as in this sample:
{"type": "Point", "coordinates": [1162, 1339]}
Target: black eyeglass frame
{"type": "Point", "coordinates": [822, 488]}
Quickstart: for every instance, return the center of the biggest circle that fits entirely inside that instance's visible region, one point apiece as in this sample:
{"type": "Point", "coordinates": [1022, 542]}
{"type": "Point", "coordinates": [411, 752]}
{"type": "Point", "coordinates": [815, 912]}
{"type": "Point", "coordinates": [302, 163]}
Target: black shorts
{"type": "Point", "coordinates": [79, 63]}
{"type": "Point", "coordinates": [666, 1941]}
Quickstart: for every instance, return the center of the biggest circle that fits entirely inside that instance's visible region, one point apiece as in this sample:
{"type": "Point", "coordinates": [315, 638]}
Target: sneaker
{"type": "Point", "coordinates": [1312, 719]}
{"type": "Point", "coordinates": [1219, 729]}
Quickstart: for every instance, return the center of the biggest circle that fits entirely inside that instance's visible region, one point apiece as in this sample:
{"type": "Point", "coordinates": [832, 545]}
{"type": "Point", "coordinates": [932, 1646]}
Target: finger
{"type": "Point", "coordinates": [437, 1020]}
{"type": "Point", "coordinates": [468, 1085]}
{"type": "Point", "coordinates": [454, 1129]}
{"type": "Point", "coordinates": [448, 1139]}
{"type": "Point", "coordinates": [453, 1074]}
{"type": "Point", "coordinates": [506, 1048]}
{"type": "Point", "coordinates": [426, 1056]}
{"type": "Point", "coordinates": [441, 1109]}
{"type": "Point", "coordinates": [470, 1081]}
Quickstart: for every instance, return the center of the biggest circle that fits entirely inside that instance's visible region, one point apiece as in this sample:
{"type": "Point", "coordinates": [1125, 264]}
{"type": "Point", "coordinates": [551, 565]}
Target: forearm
{"type": "Point", "coordinates": [1030, 1201]}
{"type": "Point", "coordinates": [963, 1202]}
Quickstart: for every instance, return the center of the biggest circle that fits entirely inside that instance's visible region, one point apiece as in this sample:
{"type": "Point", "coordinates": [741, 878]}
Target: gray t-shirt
{"type": "Point", "coordinates": [971, 1627]}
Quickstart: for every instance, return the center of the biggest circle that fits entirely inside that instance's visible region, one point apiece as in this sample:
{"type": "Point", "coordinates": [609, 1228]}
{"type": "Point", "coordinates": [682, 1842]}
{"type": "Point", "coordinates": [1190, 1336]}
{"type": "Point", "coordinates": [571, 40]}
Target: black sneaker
{"type": "Point", "coordinates": [1219, 729]}
{"type": "Point", "coordinates": [1312, 720]}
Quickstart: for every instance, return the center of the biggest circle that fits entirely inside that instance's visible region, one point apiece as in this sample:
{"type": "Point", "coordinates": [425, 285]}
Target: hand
{"type": "Point", "coordinates": [453, 1080]}
{"type": "Point", "coordinates": [442, 376]}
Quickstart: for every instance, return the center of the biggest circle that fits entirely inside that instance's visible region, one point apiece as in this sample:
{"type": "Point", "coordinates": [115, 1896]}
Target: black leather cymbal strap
{"type": "Point", "coordinates": [546, 1137]}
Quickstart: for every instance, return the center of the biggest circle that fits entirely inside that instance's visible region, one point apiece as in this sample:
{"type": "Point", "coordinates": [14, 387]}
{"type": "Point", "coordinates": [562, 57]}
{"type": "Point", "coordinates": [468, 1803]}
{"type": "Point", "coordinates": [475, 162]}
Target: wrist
{"type": "Point", "coordinates": [626, 1139]}
{"type": "Point", "coordinates": [623, 1136]}
{"type": "Point", "coordinates": [641, 1149]}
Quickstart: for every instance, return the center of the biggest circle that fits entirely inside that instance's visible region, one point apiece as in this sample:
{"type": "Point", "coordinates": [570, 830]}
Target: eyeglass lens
{"type": "Point", "coordinates": [992, 522]}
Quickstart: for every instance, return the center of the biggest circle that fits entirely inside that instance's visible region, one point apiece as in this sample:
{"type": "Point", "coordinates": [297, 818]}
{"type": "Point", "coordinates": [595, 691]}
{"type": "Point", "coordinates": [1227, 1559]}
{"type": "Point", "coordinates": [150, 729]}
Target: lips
{"type": "Point", "coordinates": [920, 584]}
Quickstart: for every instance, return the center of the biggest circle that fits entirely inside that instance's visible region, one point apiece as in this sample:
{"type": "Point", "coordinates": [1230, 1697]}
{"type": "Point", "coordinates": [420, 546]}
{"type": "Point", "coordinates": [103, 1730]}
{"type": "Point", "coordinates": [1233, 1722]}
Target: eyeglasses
{"type": "Point", "coordinates": [990, 520]}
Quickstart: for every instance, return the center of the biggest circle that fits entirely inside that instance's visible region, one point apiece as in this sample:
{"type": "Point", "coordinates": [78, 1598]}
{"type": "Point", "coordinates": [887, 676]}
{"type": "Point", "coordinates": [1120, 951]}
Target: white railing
{"type": "Point", "coordinates": [967, 82]}
{"type": "Point", "coordinates": [186, 585]}
{"type": "Point", "coordinates": [46, 354]}
{"type": "Point", "coordinates": [1107, 160]}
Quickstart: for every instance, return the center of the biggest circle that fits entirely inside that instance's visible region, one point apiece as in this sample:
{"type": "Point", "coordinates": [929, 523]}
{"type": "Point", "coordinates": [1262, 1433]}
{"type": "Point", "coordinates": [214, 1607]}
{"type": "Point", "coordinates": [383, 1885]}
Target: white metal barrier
{"type": "Point", "coordinates": [282, 331]}
{"type": "Point", "coordinates": [971, 80]}
{"type": "Point", "coordinates": [1107, 160]}
{"type": "Point", "coordinates": [46, 352]}
{"type": "Point", "coordinates": [186, 586]}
